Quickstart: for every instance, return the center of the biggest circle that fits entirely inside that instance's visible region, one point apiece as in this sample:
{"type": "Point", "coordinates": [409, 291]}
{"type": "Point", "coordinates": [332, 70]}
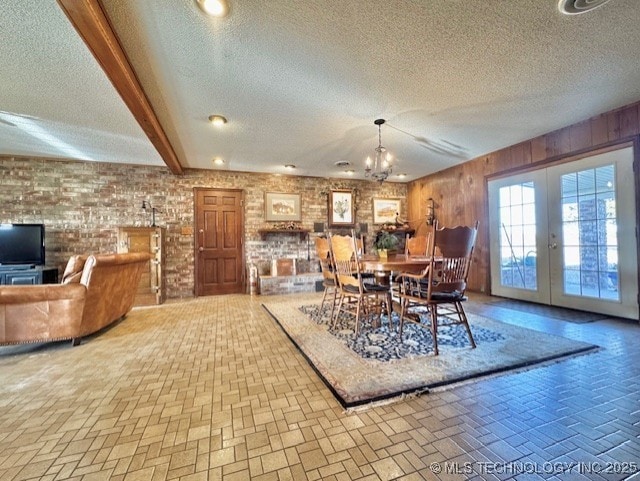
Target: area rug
{"type": "Point", "coordinates": [562, 313]}
{"type": "Point", "coordinates": [376, 365]}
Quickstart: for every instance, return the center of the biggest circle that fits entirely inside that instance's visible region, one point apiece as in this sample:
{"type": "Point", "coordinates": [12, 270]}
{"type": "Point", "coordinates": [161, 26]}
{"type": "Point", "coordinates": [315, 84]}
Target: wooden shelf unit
{"type": "Point", "coordinates": [151, 289]}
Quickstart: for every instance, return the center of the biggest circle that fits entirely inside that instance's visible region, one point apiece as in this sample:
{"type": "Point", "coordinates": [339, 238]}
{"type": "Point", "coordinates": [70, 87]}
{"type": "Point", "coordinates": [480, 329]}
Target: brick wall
{"type": "Point", "coordinates": [83, 203]}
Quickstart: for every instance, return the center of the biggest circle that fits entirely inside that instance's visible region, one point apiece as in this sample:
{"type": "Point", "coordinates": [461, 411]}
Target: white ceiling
{"type": "Point", "coordinates": [301, 82]}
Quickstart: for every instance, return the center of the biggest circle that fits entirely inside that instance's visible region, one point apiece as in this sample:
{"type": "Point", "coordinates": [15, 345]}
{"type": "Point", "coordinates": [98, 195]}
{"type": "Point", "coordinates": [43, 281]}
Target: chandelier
{"type": "Point", "coordinates": [381, 166]}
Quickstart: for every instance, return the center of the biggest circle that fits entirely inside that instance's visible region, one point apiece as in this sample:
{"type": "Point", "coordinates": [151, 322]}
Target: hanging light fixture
{"type": "Point", "coordinates": [381, 166]}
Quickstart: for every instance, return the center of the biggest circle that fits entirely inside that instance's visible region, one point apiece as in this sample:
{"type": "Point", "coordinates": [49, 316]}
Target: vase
{"type": "Point", "coordinates": [385, 253]}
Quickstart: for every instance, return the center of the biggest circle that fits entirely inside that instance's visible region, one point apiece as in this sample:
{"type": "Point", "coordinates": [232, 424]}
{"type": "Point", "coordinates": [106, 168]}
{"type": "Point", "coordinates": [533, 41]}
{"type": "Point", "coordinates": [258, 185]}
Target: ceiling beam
{"type": "Point", "coordinates": [91, 22]}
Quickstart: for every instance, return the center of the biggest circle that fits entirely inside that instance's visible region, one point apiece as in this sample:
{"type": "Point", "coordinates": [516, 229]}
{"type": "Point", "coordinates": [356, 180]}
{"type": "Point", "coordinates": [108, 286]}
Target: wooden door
{"type": "Point", "coordinates": [219, 256]}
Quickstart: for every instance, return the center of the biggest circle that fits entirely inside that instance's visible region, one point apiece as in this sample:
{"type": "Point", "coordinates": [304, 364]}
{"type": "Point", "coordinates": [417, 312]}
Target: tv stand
{"type": "Point", "coordinates": [27, 274]}
{"type": "Point", "coordinates": [16, 267]}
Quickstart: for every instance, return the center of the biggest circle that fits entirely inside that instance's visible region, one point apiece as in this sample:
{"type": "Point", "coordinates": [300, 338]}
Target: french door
{"type": "Point", "coordinates": [565, 235]}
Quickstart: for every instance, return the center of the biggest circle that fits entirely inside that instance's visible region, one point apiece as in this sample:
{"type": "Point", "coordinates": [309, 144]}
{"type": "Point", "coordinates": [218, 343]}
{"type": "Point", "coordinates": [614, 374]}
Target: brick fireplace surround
{"type": "Point", "coordinates": [289, 276]}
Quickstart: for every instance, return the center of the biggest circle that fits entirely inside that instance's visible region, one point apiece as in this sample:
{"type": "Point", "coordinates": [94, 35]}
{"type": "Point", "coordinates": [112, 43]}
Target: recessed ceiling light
{"type": "Point", "coordinates": [218, 161]}
{"type": "Point", "coordinates": [402, 176]}
{"type": "Point", "coordinates": [217, 120]}
{"type": "Point", "coordinates": [350, 172]}
{"type": "Point", "coordinates": [342, 163]}
{"type": "Point", "coordinates": [215, 8]}
{"type": "Point", "coordinates": [575, 7]}
{"type": "Point", "coordinates": [289, 166]}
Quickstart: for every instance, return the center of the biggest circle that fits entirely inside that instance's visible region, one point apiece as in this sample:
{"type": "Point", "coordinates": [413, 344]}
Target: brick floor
{"type": "Point", "coordinates": [212, 389]}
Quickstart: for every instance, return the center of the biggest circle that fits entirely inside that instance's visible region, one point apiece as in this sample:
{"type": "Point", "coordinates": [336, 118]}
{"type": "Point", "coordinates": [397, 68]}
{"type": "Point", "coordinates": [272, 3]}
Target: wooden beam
{"type": "Point", "coordinates": [91, 23]}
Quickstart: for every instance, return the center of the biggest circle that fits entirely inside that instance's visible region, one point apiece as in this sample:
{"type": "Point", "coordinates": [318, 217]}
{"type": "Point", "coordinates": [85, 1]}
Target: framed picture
{"type": "Point", "coordinates": [282, 207]}
{"type": "Point", "coordinates": [342, 212]}
{"type": "Point", "coordinates": [385, 210]}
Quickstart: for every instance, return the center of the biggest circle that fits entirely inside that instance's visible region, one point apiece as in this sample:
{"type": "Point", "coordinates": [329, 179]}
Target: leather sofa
{"type": "Point", "coordinates": [96, 291]}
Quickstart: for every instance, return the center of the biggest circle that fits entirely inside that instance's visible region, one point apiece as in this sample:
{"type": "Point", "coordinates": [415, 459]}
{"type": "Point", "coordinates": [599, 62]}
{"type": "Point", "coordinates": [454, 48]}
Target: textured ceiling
{"type": "Point", "coordinates": [302, 82]}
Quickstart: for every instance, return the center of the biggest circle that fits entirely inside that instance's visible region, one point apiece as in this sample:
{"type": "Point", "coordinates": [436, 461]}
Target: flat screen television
{"type": "Point", "coordinates": [22, 244]}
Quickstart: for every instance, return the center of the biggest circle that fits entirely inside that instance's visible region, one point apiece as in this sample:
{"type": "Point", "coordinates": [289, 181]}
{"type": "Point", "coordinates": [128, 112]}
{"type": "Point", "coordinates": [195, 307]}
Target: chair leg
{"type": "Point", "coordinates": [335, 321]}
{"type": "Point", "coordinates": [324, 297]}
{"type": "Point", "coordinates": [358, 307]}
{"type": "Point", "coordinates": [433, 309]}
{"type": "Point", "coordinates": [379, 311]}
{"type": "Point", "coordinates": [403, 305]}
{"type": "Point", "coordinates": [333, 303]}
{"type": "Point", "coordinates": [463, 317]}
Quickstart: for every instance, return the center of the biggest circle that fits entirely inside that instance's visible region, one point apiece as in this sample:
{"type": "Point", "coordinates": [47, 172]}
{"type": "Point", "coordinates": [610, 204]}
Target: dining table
{"type": "Point", "coordinates": [382, 267]}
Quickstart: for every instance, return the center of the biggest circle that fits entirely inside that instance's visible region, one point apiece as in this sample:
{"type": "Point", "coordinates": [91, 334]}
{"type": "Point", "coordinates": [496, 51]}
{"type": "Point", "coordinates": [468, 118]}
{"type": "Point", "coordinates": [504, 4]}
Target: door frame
{"type": "Point", "coordinates": [195, 235]}
{"type": "Point", "coordinates": [542, 293]}
{"type": "Point", "coordinates": [632, 141]}
{"type": "Point", "coordinates": [625, 236]}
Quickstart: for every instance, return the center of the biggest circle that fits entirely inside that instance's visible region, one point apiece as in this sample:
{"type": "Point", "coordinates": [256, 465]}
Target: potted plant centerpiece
{"type": "Point", "coordinates": [385, 243]}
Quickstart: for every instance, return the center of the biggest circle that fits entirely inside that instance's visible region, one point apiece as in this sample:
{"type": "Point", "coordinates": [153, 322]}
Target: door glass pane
{"type": "Point", "coordinates": [517, 225]}
{"type": "Point", "coordinates": [589, 231]}
{"type": "Point", "coordinates": [586, 182]}
{"type": "Point", "coordinates": [570, 208]}
{"type": "Point", "coordinates": [569, 185]}
{"type": "Point", "coordinates": [605, 179]}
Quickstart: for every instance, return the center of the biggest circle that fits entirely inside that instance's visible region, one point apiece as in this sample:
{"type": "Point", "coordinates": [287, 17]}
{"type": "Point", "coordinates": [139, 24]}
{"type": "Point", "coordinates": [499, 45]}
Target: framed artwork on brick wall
{"type": "Point", "coordinates": [280, 207]}
{"type": "Point", "coordinates": [342, 212]}
{"type": "Point", "coordinates": [385, 210]}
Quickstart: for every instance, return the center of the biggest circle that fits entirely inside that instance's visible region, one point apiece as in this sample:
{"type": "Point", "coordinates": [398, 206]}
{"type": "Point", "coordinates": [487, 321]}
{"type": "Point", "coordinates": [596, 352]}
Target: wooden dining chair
{"type": "Point", "coordinates": [329, 282]}
{"type": "Point", "coordinates": [357, 297]}
{"type": "Point", "coordinates": [416, 245]}
{"type": "Point", "coordinates": [442, 283]}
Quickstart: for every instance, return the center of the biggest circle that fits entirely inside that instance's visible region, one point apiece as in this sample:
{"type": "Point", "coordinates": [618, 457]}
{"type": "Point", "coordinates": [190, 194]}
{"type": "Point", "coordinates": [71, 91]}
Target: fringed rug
{"type": "Point", "coordinates": [376, 365]}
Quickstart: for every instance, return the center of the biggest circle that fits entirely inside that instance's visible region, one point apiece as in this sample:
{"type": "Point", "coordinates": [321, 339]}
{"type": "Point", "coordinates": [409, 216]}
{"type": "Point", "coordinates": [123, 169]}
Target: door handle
{"type": "Point", "coordinates": [201, 248]}
{"type": "Point", "coordinates": [553, 246]}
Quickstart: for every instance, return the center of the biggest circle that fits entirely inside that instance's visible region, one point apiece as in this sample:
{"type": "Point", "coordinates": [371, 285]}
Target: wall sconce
{"type": "Point", "coordinates": [147, 205]}
{"type": "Point", "coordinates": [431, 217]}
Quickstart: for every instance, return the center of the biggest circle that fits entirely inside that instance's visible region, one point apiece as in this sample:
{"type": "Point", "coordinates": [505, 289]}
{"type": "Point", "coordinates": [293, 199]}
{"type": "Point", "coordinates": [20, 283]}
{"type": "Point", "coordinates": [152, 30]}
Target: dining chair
{"type": "Point", "coordinates": [329, 282]}
{"type": "Point", "coordinates": [361, 246]}
{"type": "Point", "coordinates": [357, 297]}
{"type": "Point", "coordinates": [416, 245]}
{"type": "Point", "coordinates": [442, 283]}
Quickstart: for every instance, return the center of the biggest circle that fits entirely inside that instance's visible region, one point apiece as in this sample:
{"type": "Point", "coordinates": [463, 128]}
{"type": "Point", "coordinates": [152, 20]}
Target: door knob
{"type": "Point", "coordinates": [201, 249]}
{"type": "Point", "coordinates": [553, 246]}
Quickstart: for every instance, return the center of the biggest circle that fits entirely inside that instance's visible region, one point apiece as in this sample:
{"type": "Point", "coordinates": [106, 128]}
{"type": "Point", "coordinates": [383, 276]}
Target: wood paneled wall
{"type": "Point", "coordinates": [460, 192]}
